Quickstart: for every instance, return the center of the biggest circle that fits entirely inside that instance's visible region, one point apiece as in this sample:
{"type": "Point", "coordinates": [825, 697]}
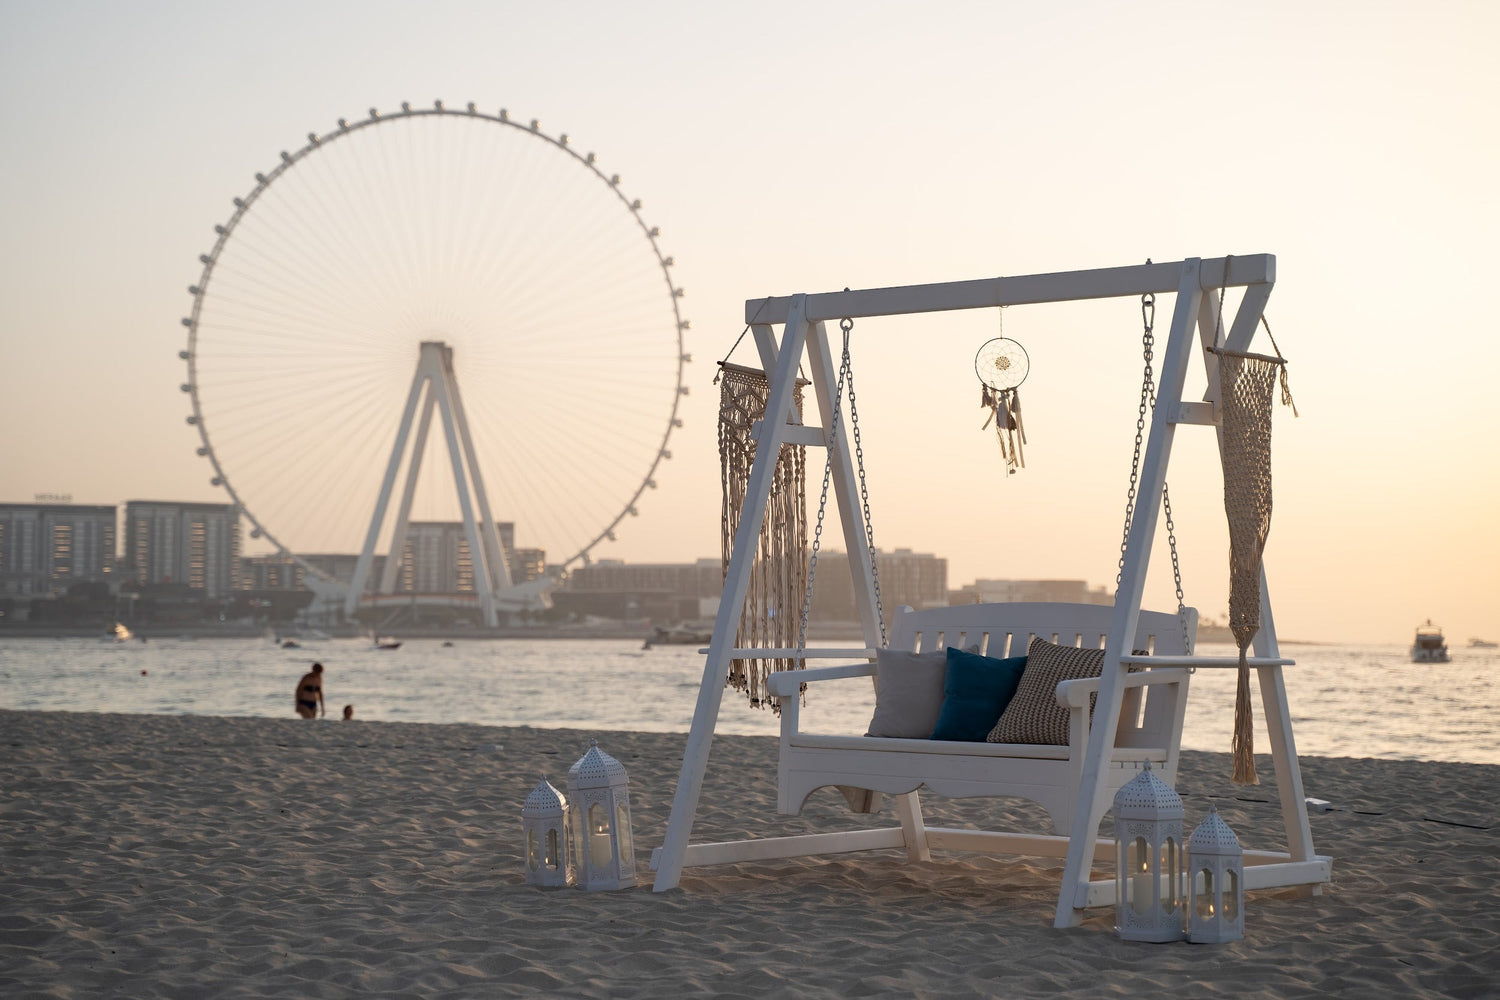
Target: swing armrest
{"type": "Point", "coordinates": [787, 683]}
{"type": "Point", "coordinates": [1076, 693]}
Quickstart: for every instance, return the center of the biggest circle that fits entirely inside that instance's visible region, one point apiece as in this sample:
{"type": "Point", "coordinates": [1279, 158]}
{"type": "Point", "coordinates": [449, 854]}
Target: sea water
{"type": "Point", "coordinates": [1345, 700]}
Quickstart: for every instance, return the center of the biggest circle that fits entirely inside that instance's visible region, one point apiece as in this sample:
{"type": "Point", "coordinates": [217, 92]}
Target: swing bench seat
{"type": "Point", "coordinates": [1150, 726]}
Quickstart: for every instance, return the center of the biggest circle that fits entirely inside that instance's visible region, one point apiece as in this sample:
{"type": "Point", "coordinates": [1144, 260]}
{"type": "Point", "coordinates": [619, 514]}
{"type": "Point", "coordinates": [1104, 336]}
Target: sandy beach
{"type": "Point", "coordinates": [182, 856]}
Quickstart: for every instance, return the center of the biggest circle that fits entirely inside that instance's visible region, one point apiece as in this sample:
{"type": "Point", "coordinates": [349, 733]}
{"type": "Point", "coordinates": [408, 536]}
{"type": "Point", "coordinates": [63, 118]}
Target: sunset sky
{"type": "Point", "coordinates": [786, 147]}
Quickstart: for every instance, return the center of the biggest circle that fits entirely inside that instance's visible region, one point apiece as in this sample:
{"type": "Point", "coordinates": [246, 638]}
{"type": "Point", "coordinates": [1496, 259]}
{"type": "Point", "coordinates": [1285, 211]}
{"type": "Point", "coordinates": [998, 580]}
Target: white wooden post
{"type": "Point", "coordinates": [1274, 706]}
{"type": "Point", "coordinates": [1091, 787]}
{"type": "Point", "coordinates": [736, 582]}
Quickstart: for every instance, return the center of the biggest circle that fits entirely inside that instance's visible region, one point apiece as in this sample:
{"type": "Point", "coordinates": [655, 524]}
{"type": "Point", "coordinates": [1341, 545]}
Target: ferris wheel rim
{"type": "Point", "coordinates": [561, 141]}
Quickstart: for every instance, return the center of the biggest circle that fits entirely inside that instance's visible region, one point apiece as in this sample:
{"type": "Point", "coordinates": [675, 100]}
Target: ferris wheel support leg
{"type": "Point", "coordinates": [367, 552]}
{"type": "Point", "coordinates": [397, 550]}
{"type": "Point", "coordinates": [477, 552]}
{"type": "Point", "coordinates": [497, 556]}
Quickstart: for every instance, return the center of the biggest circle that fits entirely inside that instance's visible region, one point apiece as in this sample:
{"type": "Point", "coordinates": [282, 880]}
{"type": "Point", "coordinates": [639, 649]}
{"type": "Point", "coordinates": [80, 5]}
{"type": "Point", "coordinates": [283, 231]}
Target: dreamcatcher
{"type": "Point", "coordinates": [1002, 365]}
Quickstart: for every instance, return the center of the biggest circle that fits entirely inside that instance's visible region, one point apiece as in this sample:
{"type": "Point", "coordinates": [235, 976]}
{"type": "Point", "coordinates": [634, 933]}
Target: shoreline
{"type": "Point", "coordinates": [842, 632]}
{"type": "Point", "coordinates": [147, 855]}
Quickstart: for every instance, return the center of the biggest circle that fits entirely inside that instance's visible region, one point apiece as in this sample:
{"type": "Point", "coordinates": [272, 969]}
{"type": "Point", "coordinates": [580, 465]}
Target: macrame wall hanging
{"type": "Point", "coordinates": [1002, 365]}
{"type": "Point", "coordinates": [778, 576]}
{"type": "Point", "coordinates": [1246, 385]}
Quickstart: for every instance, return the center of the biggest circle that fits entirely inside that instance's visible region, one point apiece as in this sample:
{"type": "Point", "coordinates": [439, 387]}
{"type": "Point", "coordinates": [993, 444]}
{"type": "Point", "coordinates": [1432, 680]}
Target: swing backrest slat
{"type": "Point", "coordinates": [1008, 629]}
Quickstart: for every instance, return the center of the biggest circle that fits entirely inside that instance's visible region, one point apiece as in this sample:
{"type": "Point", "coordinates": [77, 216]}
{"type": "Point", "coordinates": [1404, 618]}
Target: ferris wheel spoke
{"type": "Point", "coordinates": [259, 270]}
{"type": "Point", "coordinates": [300, 236]}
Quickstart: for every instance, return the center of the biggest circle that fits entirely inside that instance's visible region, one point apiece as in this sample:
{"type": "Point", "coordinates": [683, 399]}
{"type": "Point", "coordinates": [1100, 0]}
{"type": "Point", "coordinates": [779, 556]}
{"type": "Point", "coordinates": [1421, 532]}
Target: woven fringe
{"type": "Point", "coordinates": [1244, 730]}
{"type": "Point", "coordinates": [1246, 387]}
{"type": "Point", "coordinates": [778, 575]}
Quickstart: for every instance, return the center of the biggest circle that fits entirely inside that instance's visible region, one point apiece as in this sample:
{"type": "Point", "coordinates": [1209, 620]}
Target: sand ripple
{"type": "Point", "coordinates": [174, 856]}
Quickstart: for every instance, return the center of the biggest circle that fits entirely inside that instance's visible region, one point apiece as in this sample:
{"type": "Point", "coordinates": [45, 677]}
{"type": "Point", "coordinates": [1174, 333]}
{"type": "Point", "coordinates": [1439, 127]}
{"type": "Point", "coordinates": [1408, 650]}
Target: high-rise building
{"type": "Point", "coordinates": [436, 560]}
{"type": "Point", "coordinates": [196, 544]}
{"type": "Point", "coordinates": [44, 547]}
{"type": "Point", "coordinates": [270, 572]}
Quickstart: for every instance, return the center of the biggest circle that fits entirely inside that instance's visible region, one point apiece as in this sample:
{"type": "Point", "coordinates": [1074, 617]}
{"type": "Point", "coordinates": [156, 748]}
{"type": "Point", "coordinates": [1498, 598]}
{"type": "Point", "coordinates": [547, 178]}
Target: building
{"type": "Point", "coordinates": [916, 579]}
{"type": "Point", "coordinates": [436, 560]}
{"type": "Point", "coordinates": [194, 544]}
{"type": "Point", "coordinates": [45, 546]}
{"type": "Point", "coordinates": [271, 572]}
{"type": "Point", "coordinates": [666, 593]}
{"type": "Point", "coordinates": [1050, 591]}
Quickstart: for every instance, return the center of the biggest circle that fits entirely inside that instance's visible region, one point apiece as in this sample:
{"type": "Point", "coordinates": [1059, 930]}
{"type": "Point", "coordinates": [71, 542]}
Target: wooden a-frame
{"type": "Point", "coordinates": [803, 318]}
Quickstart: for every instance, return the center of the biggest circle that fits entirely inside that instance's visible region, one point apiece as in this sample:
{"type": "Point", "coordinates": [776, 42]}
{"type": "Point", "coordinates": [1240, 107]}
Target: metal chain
{"type": "Point", "coordinates": [846, 325]}
{"type": "Point", "coordinates": [1148, 399]}
{"type": "Point", "coordinates": [1148, 402]}
{"type": "Point", "coordinates": [817, 543]}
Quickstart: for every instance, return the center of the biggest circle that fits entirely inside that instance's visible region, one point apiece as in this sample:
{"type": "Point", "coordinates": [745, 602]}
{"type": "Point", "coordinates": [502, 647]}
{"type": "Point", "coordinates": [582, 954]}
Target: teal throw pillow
{"type": "Point", "coordinates": [976, 690]}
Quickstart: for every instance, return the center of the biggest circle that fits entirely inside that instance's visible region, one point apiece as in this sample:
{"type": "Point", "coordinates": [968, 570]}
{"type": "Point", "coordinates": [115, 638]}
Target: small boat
{"type": "Point", "coordinates": [290, 644]}
{"type": "Point", "coordinates": [119, 634]}
{"type": "Point", "coordinates": [677, 636]}
{"type": "Point", "coordinates": [385, 642]}
{"type": "Point", "coordinates": [1429, 646]}
{"type": "Point", "coordinates": [1483, 644]}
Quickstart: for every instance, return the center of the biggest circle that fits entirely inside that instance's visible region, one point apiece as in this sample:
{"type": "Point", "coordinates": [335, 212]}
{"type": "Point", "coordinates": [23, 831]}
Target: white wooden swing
{"type": "Point", "coordinates": [1072, 782]}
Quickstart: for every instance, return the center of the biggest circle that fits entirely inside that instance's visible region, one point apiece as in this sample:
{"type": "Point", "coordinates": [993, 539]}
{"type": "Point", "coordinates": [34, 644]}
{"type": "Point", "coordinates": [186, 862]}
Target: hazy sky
{"type": "Point", "coordinates": [786, 147]}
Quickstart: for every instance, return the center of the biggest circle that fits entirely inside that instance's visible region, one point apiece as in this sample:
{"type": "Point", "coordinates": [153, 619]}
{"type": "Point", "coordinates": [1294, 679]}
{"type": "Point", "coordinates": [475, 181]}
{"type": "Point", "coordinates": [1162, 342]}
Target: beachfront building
{"type": "Point", "coordinates": [436, 560]}
{"type": "Point", "coordinates": [915, 579]}
{"type": "Point", "coordinates": [270, 572]}
{"type": "Point", "coordinates": [666, 593]}
{"type": "Point", "coordinates": [193, 544]}
{"type": "Point", "coordinates": [45, 546]}
{"type": "Point", "coordinates": [1019, 591]}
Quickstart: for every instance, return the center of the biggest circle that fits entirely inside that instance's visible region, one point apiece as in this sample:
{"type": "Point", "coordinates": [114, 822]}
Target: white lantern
{"type": "Point", "coordinates": [1149, 888]}
{"type": "Point", "coordinates": [599, 813]}
{"type": "Point", "coordinates": [1216, 865]}
{"type": "Point", "coordinates": [544, 821]}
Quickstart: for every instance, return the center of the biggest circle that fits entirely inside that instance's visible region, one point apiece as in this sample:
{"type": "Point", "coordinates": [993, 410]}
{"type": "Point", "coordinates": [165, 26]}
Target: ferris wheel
{"type": "Point", "coordinates": [516, 257]}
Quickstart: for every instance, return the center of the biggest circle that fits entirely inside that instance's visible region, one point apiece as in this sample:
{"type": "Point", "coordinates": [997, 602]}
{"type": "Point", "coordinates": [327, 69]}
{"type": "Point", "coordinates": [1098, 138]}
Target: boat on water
{"type": "Point", "coordinates": [384, 642]}
{"type": "Point", "coordinates": [119, 634]}
{"type": "Point", "coordinates": [1429, 645]}
{"type": "Point", "coordinates": [677, 635]}
{"type": "Point", "coordinates": [1483, 644]}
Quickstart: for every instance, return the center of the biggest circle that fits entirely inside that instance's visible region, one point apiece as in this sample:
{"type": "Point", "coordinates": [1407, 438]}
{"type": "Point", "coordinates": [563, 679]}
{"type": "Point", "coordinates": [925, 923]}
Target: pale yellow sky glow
{"type": "Point", "coordinates": [789, 147]}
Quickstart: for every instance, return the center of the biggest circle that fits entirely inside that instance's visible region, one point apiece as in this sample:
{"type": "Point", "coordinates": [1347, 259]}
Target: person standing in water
{"type": "Point", "coordinates": [309, 694]}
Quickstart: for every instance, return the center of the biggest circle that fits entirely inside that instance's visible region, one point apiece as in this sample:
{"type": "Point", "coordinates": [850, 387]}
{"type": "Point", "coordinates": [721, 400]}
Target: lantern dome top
{"type": "Point", "coordinates": [1213, 836]}
{"type": "Point", "coordinates": [596, 769]}
{"type": "Point", "coordinates": [1147, 797]}
{"type": "Point", "coordinates": [543, 800]}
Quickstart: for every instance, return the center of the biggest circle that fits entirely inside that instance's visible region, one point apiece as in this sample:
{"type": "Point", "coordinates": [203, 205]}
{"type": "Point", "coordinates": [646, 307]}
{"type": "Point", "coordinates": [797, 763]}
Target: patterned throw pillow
{"type": "Point", "coordinates": [1033, 715]}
